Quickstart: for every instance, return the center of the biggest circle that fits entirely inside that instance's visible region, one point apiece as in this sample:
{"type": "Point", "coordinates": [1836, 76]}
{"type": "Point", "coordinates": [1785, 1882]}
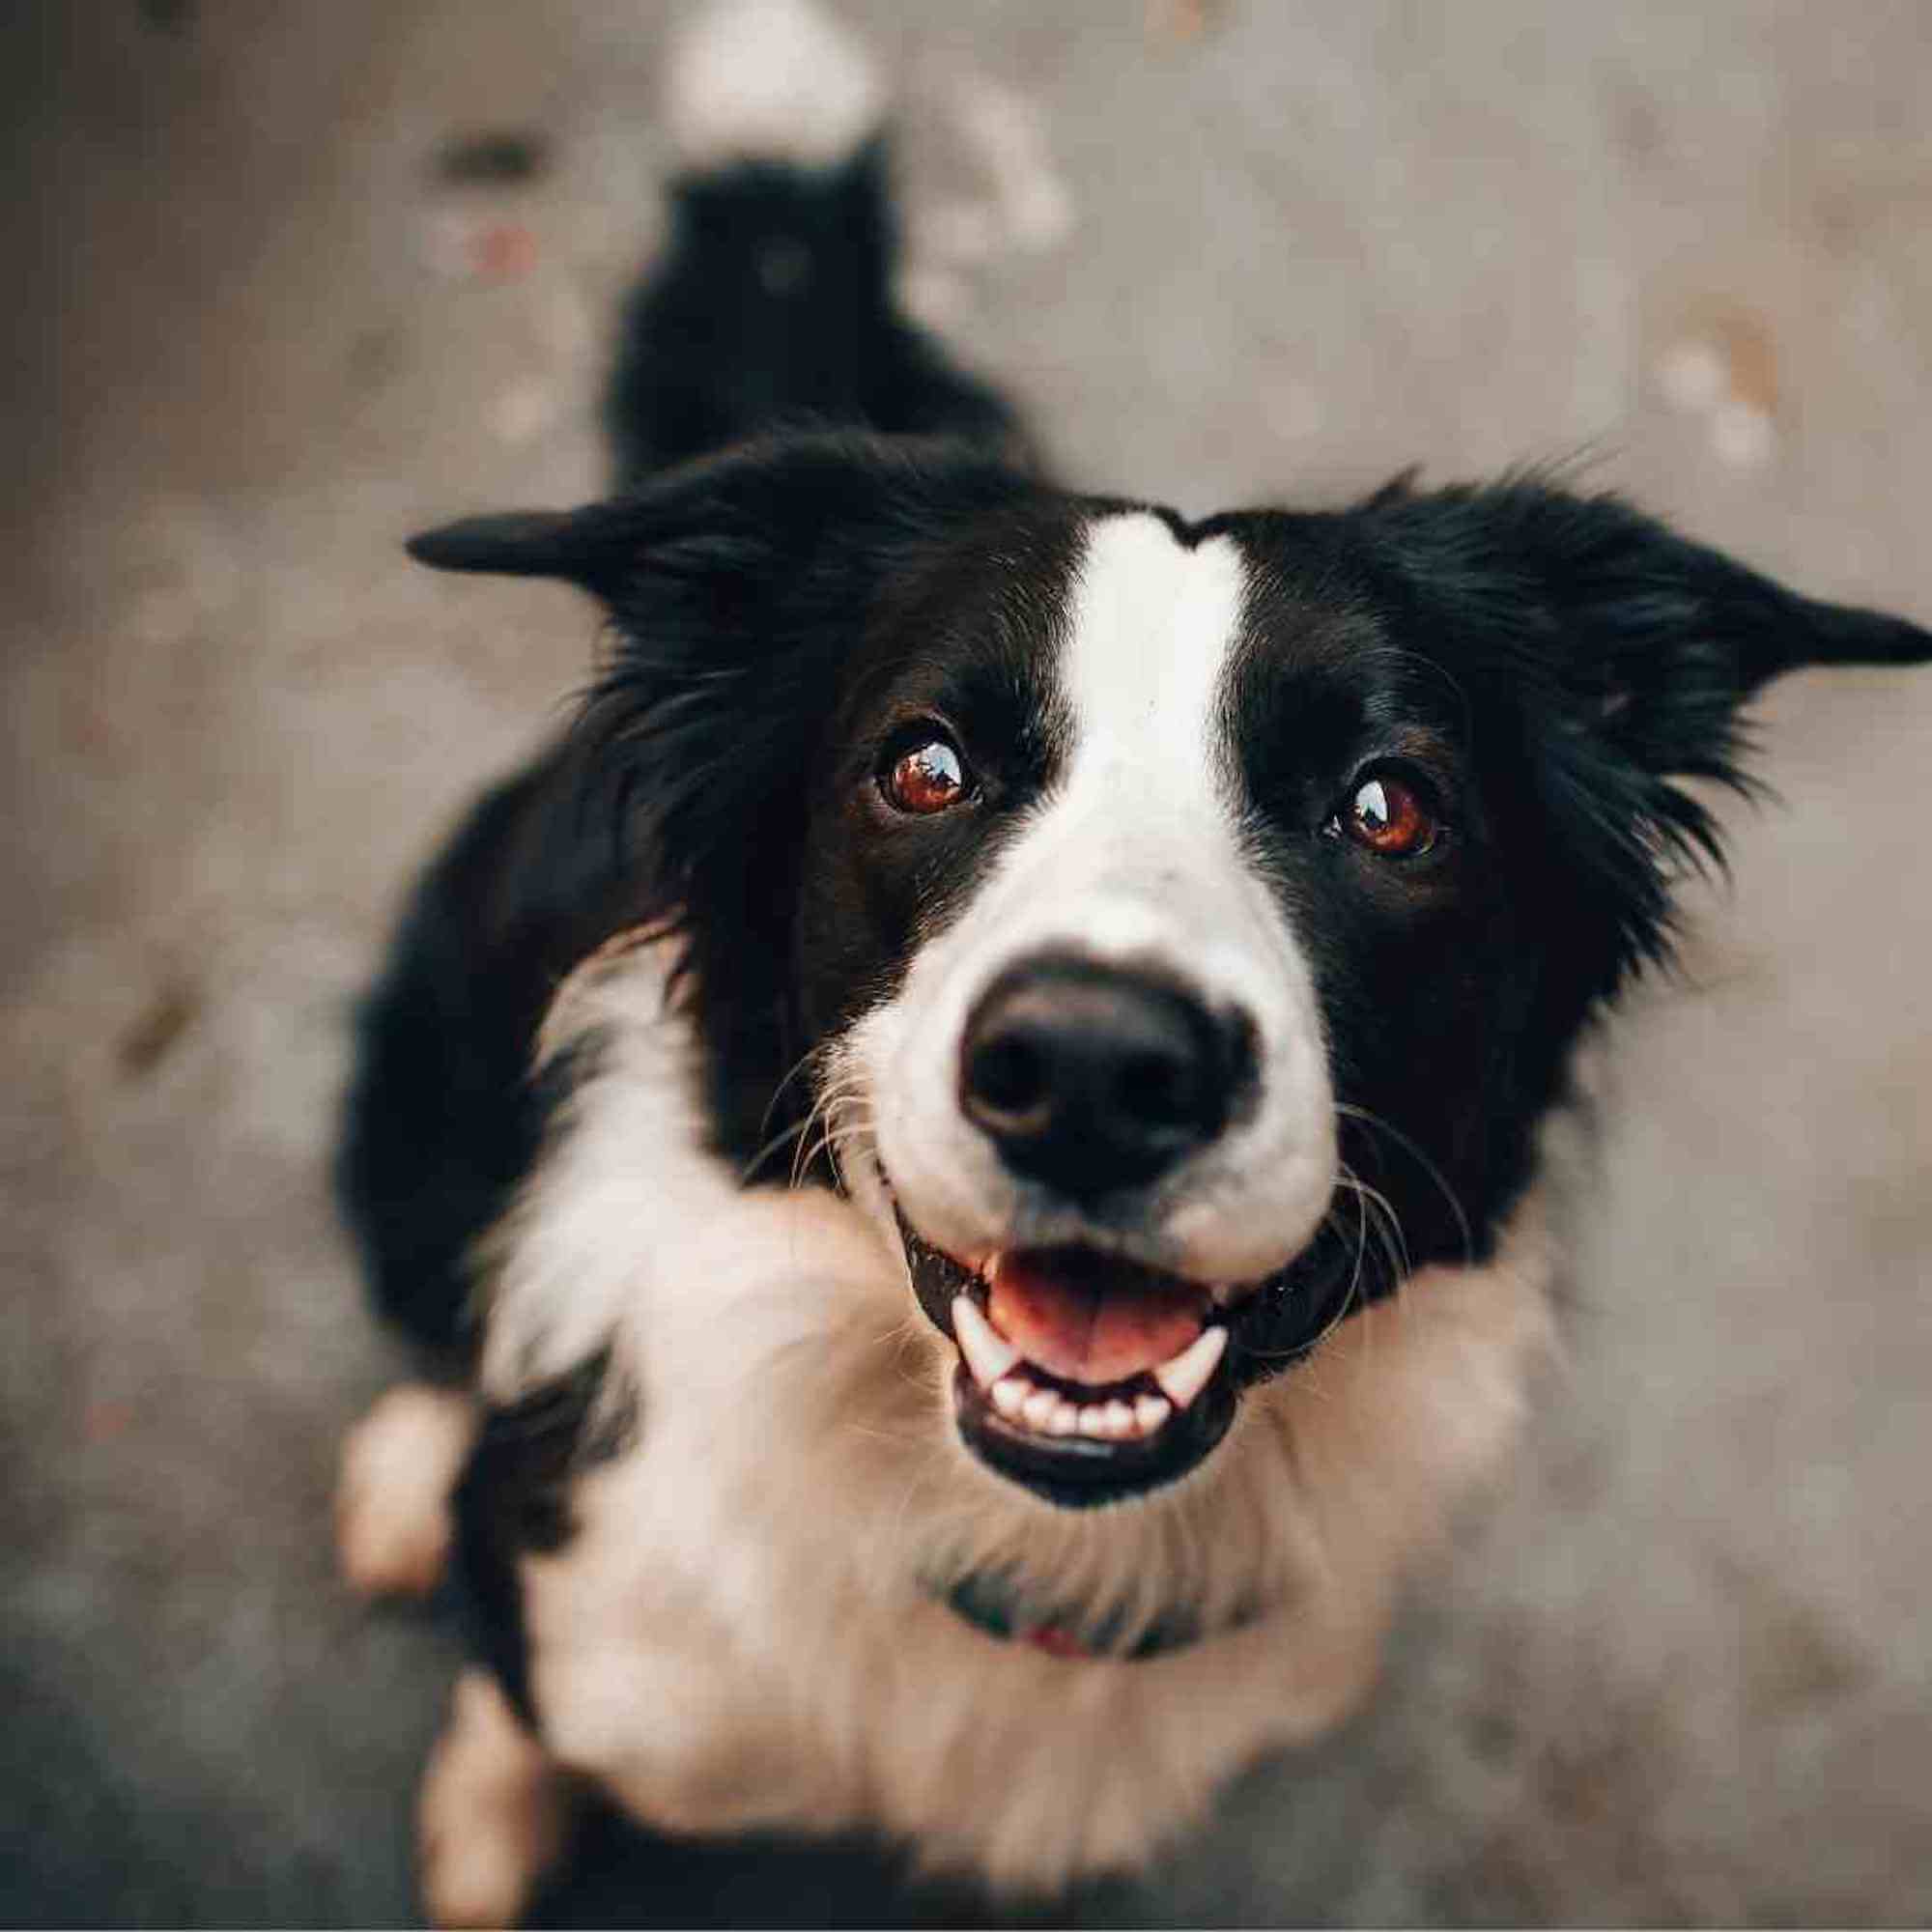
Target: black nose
{"type": "Point", "coordinates": [1092, 1078]}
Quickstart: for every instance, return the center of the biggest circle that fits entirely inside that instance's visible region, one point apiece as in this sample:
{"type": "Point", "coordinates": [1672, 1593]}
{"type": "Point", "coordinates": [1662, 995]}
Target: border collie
{"type": "Point", "coordinates": [965, 1140]}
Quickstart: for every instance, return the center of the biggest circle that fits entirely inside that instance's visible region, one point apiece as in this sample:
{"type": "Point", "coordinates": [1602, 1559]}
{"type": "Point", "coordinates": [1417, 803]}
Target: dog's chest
{"type": "Point", "coordinates": [773, 1682]}
{"type": "Point", "coordinates": [740, 1628]}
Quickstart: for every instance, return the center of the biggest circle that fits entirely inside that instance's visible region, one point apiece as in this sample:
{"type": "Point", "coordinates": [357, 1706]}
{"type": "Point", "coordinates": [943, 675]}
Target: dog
{"type": "Point", "coordinates": [965, 1145]}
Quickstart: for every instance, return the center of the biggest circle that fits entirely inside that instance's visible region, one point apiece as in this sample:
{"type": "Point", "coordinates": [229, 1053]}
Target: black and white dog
{"type": "Point", "coordinates": [973, 1125]}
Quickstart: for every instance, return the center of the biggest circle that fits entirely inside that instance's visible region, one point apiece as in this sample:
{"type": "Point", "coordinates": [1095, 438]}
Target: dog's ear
{"type": "Point", "coordinates": [737, 586]}
{"type": "Point", "coordinates": [1623, 653]}
{"type": "Point", "coordinates": [809, 499]}
{"type": "Point", "coordinates": [512, 543]}
{"type": "Point", "coordinates": [1665, 638]}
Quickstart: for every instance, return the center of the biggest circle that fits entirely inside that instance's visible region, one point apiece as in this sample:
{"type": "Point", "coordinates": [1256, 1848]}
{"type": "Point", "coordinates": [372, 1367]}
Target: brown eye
{"type": "Point", "coordinates": [1387, 816]}
{"type": "Point", "coordinates": [926, 778]}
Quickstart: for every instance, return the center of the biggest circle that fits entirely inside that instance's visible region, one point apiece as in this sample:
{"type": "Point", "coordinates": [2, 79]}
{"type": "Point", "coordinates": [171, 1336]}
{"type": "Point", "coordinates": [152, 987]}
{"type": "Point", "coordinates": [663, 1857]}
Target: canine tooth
{"type": "Point", "coordinates": [987, 1353]}
{"type": "Point", "coordinates": [1009, 1396]}
{"type": "Point", "coordinates": [1120, 1420]}
{"type": "Point", "coordinates": [1186, 1375]}
{"type": "Point", "coordinates": [1150, 1411]}
{"type": "Point", "coordinates": [1039, 1408]}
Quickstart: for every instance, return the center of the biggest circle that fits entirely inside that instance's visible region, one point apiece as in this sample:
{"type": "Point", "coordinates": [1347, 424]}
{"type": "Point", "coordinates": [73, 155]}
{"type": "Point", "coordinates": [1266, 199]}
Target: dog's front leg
{"type": "Point", "coordinates": [399, 1465]}
{"type": "Point", "coordinates": [493, 1813]}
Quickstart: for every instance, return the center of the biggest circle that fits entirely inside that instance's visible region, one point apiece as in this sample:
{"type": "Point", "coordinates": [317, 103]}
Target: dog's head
{"type": "Point", "coordinates": [1172, 933]}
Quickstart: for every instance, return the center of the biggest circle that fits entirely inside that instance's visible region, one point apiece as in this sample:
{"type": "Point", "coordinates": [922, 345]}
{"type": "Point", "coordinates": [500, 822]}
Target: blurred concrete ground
{"type": "Point", "coordinates": [1224, 251]}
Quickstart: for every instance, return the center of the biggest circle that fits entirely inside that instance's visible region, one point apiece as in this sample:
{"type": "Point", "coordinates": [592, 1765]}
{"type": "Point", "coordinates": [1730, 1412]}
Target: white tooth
{"type": "Point", "coordinates": [1009, 1395]}
{"type": "Point", "coordinates": [1039, 1408]}
{"type": "Point", "coordinates": [1065, 1420]}
{"type": "Point", "coordinates": [1150, 1411]}
{"type": "Point", "coordinates": [1186, 1376]}
{"type": "Point", "coordinates": [1094, 1421]}
{"type": "Point", "coordinates": [1120, 1421]}
{"type": "Point", "coordinates": [987, 1353]}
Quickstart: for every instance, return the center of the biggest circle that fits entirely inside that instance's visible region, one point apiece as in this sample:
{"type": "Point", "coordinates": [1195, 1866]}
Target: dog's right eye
{"type": "Point", "coordinates": [923, 774]}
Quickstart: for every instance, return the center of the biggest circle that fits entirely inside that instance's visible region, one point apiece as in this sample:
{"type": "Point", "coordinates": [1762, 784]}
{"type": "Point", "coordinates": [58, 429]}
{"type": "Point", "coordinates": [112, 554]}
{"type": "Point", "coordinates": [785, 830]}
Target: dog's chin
{"type": "Point", "coordinates": [1086, 1378]}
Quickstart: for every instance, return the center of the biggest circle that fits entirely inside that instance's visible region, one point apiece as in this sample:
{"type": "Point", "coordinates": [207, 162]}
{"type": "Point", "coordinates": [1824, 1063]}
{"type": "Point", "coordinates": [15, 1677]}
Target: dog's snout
{"type": "Point", "coordinates": [1091, 1079]}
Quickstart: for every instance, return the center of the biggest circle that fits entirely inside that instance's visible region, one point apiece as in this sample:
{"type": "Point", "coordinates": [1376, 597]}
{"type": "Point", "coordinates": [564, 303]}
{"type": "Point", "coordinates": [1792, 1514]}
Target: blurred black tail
{"type": "Point", "coordinates": [772, 304]}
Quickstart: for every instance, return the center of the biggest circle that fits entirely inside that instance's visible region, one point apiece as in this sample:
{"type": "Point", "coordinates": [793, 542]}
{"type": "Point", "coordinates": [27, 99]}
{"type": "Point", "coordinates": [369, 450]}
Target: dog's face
{"type": "Point", "coordinates": [1180, 929]}
{"type": "Point", "coordinates": [1122, 877]}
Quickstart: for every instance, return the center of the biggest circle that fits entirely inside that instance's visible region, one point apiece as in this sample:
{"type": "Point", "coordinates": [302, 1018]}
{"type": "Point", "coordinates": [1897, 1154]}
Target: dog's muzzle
{"type": "Point", "coordinates": [1086, 1373]}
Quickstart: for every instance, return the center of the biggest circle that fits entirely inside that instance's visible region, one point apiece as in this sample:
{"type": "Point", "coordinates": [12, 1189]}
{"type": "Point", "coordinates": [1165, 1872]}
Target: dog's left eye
{"type": "Point", "coordinates": [924, 777]}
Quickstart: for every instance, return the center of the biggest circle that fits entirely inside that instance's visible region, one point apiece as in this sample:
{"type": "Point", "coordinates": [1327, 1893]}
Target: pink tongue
{"type": "Point", "coordinates": [1090, 1318]}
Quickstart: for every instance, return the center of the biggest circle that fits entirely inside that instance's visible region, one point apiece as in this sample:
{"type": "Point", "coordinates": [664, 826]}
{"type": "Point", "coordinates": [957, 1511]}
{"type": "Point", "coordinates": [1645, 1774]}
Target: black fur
{"type": "Point", "coordinates": [772, 305]}
{"type": "Point", "coordinates": [443, 1117]}
{"type": "Point", "coordinates": [514, 1497]}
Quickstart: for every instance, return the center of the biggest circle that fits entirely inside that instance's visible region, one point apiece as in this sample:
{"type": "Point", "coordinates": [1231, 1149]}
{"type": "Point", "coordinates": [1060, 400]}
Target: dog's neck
{"type": "Point", "coordinates": [991, 1602]}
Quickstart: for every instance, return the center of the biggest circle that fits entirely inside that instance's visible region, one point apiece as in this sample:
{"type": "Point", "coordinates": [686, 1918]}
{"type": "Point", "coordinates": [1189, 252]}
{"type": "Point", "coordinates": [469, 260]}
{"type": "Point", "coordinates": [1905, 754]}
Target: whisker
{"type": "Point", "coordinates": [838, 1127]}
{"type": "Point", "coordinates": [1377, 1125]}
{"type": "Point", "coordinates": [1371, 1198]}
{"type": "Point", "coordinates": [798, 1066]}
{"type": "Point", "coordinates": [796, 1130]}
{"type": "Point", "coordinates": [751, 1168]}
{"type": "Point", "coordinates": [1349, 1295]}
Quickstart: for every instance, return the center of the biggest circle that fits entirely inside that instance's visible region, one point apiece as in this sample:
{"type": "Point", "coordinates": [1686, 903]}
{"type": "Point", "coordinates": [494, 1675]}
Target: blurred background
{"type": "Point", "coordinates": [291, 280]}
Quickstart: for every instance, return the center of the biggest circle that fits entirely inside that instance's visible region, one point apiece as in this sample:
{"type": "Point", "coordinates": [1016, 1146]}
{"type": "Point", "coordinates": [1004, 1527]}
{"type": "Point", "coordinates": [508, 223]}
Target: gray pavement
{"type": "Point", "coordinates": [1679, 1669]}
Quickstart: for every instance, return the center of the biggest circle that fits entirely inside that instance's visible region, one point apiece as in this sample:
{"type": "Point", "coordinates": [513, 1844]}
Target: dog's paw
{"type": "Point", "coordinates": [399, 1465]}
{"type": "Point", "coordinates": [494, 1813]}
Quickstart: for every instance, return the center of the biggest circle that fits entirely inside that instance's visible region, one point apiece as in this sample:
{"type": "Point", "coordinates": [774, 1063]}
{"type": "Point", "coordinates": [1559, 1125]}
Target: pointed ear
{"type": "Point", "coordinates": [1647, 622]}
{"type": "Point", "coordinates": [590, 547]}
{"type": "Point", "coordinates": [1841, 634]}
{"type": "Point", "coordinates": [770, 505]}
{"type": "Point", "coordinates": [1624, 654]}
{"type": "Point", "coordinates": [1658, 644]}
{"type": "Point", "coordinates": [515, 543]}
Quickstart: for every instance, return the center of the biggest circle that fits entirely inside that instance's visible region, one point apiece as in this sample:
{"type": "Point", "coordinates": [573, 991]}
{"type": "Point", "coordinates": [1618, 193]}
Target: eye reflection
{"type": "Point", "coordinates": [1387, 818]}
{"type": "Point", "coordinates": [926, 779]}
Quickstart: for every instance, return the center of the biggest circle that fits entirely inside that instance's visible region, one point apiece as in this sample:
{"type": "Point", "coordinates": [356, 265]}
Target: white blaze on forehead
{"type": "Point", "coordinates": [1153, 625]}
{"type": "Point", "coordinates": [1137, 852]}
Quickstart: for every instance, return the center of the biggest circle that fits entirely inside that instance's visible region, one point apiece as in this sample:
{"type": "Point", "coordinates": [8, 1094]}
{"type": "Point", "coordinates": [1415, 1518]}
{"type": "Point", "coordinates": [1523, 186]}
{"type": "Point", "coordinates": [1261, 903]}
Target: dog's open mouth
{"type": "Point", "coordinates": [1084, 1377]}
